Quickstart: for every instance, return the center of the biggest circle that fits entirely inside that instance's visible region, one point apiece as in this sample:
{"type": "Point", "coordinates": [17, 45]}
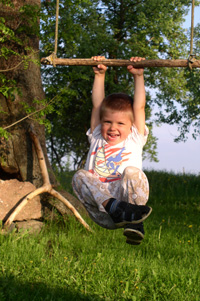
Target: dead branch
{"type": "Point", "coordinates": [47, 187]}
{"type": "Point", "coordinates": [51, 60]}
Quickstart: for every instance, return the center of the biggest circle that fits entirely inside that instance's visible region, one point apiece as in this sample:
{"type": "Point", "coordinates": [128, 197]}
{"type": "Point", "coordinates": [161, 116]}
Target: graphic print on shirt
{"type": "Point", "coordinates": [108, 161]}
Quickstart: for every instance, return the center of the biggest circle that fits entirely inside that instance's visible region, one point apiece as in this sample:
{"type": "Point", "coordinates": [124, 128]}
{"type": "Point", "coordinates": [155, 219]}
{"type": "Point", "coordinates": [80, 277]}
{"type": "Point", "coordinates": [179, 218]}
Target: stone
{"type": "Point", "coordinates": [32, 226]}
{"type": "Point", "coordinates": [12, 192]}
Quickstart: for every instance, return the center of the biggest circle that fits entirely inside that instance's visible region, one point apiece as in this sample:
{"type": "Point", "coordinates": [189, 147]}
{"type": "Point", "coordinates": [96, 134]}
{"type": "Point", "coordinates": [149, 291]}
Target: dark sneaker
{"type": "Point", "coordinates": [124, 213]}
{"type": "Point", "coordinates": [134, 233]}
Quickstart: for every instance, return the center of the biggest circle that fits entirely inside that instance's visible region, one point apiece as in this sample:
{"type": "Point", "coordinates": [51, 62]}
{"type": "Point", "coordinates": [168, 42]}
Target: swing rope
{"type": "Point", "coordinates": [53, 56]}
{"type": "Point", "coordinates": [191, 58]}
{"type": "Point", "coordinates": [56, 28]}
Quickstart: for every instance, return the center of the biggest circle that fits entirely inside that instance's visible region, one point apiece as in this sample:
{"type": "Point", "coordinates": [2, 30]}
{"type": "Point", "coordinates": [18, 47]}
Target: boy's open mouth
{"type": "Point", "coordinates": [113, 136]}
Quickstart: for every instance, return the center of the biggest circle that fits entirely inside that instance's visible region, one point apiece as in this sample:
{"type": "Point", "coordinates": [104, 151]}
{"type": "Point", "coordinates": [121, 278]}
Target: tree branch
{"type": "Point", "coordinates": [120, 63]}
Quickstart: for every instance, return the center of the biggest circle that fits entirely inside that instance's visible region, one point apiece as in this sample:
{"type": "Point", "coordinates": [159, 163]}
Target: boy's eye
{"type": "Point", "coordinates": [120, 123]}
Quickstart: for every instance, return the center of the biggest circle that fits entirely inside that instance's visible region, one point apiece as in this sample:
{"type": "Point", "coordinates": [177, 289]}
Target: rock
{"type": "Point", "coordinates": [12, 192]}
{"type": "Point", "coordinates": [32, 226]}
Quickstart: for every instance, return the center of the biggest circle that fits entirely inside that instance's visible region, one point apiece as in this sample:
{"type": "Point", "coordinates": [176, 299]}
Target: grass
{"type": "Point", "coordinates": [65, 262]}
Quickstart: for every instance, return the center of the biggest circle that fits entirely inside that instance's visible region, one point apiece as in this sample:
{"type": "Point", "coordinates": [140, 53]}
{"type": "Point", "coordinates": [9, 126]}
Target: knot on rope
{"type": "Point", "coordinates": [191, 60]}
{"type": "Point", "coordinates": [49, 60]}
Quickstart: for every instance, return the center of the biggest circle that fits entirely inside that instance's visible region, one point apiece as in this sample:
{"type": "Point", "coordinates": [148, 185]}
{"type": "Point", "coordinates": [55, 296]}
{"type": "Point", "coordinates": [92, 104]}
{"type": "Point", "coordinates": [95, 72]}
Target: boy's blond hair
{"type": "Point", "coordinates": [120, 102]}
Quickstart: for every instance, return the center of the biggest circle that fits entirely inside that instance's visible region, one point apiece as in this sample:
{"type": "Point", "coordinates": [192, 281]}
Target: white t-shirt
{"type": "Point", "coordinates": [108, 162]}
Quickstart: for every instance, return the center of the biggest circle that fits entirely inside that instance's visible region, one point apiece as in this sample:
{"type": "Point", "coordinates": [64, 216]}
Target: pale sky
{"type": "Point", "coordinates": [176, 157]}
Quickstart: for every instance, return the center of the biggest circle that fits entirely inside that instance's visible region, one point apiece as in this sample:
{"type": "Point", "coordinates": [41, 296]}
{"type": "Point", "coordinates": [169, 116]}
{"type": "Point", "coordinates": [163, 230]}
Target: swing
{"type": "Point", "coordinates": [191, 62]}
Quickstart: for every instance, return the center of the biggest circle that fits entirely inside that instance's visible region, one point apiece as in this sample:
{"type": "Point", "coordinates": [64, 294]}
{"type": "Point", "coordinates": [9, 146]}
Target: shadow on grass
{"type": "Point", "coordinates": [14, 289]}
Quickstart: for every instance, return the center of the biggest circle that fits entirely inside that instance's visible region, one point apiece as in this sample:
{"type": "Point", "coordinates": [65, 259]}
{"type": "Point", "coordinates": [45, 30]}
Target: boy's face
{"type": "Point", "coordinates": [115, 126]}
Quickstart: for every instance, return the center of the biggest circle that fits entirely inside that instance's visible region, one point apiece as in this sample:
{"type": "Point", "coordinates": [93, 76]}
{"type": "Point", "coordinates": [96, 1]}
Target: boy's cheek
{"type": "Point", "coordinates": [103, 129]}
{"type": "Point", "coordinates": [102, 132]}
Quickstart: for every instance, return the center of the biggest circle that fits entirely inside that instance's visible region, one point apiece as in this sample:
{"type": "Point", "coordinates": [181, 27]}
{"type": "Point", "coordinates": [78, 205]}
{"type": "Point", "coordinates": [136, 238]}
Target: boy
{"type": "Point", "coordinates": [112, 187]}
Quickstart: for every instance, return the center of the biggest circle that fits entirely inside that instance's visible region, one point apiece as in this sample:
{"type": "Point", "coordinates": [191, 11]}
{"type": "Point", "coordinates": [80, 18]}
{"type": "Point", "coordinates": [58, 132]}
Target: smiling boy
{"type": "Point", "coordinates": [113, 187]}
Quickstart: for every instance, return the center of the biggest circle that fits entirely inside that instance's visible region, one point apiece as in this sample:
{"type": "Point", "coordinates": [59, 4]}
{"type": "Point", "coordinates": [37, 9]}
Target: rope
{"type": "Point", "coordinates": [191, 58]}
{"type": "Point", "coordinates": [53, 56]}
{"type": "Point", "coordinates": [56, 28]}
{"type": "Point", "coordinates": [192, 28]}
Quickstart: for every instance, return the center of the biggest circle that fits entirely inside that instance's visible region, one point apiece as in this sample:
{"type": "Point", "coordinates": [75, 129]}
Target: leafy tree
{"type": "Point", "coordinates": [181, 106]}
{"type": "Point", "coordinates": [117, 29]}
{"type": "Point", "coordinates": [20, 89]}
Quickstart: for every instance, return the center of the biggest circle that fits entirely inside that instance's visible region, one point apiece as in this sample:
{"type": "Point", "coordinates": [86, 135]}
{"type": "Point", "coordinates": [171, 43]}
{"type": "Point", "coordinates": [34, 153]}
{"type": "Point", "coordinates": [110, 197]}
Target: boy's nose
{"type": "Point", "coordinates": [112, 126]}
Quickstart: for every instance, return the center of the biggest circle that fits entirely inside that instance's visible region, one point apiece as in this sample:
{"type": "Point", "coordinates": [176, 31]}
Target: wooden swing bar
{"type": "Point", "coordinates": [191, 62]}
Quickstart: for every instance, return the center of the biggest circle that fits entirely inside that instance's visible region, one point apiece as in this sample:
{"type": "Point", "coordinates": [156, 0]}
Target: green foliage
{"type": "Point", "coordinates": [17, 53]}
{"type": "Point", "coordinates": [8, 87]}
{"type": "Point", "coordinates": [39, 115]}
{"type": "Point", "coordinates": [65, 262]}
{"type": "Point", "coordinates": [4, 134]}
{"type": "Point", "coordinates": [7, 34]}
{"type": "Point", "coordinates": [178, 96]}
{"type": "Point", "coordinates": [180, 106]}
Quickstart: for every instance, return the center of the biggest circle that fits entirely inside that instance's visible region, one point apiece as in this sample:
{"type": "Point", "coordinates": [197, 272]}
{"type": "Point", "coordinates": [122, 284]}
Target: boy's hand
{"type": "Point", "coordinates": [136, 71]}
{"type": "Point", "coordinates": [99, 69]}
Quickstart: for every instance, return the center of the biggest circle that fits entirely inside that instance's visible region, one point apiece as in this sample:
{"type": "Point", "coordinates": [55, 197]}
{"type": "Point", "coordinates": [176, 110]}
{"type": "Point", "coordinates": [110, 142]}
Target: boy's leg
{"type": "Point", "coordinates": [134, 186]}
{"type": "Point", "coordinates": [134, 190]}
{"type": "Point", "coordinates": [130, 195]}
{"type": "Point", "coordinates": [92, 193]}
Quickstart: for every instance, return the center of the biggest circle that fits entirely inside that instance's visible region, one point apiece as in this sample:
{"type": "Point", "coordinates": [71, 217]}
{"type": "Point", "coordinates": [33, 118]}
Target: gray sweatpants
{"type": "Point", "coordinates": [133, 188]}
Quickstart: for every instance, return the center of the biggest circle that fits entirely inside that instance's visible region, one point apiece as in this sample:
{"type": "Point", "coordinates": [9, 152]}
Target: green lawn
{"type": "Point", "coordinates": [65, 262]}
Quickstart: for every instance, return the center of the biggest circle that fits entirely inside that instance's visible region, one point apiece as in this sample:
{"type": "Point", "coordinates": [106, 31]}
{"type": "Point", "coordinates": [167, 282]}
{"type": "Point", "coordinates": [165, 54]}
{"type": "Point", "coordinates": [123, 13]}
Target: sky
{"type": "Point", "coordinates": [182, 157]}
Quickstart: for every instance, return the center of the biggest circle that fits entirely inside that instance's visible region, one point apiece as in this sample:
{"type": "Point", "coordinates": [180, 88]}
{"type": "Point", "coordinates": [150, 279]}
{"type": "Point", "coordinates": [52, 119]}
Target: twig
{"type": "Point", "coordinates": [31, 114]}
{"type": "Point", "coordinates": [15, 67]}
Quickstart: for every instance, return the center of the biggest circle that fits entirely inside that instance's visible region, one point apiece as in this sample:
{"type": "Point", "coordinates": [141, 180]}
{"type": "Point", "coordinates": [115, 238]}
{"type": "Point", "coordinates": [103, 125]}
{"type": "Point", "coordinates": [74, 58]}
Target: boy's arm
{"type": "Point", "coordinates": [139, 96]}
{"type": "Point", "coordinates": [98, 92]}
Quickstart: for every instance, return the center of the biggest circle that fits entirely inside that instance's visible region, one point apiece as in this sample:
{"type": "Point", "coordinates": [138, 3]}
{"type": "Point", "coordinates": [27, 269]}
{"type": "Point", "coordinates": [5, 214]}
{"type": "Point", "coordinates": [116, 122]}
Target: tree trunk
{"type": "Point", "coordinates": [17, 155]}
